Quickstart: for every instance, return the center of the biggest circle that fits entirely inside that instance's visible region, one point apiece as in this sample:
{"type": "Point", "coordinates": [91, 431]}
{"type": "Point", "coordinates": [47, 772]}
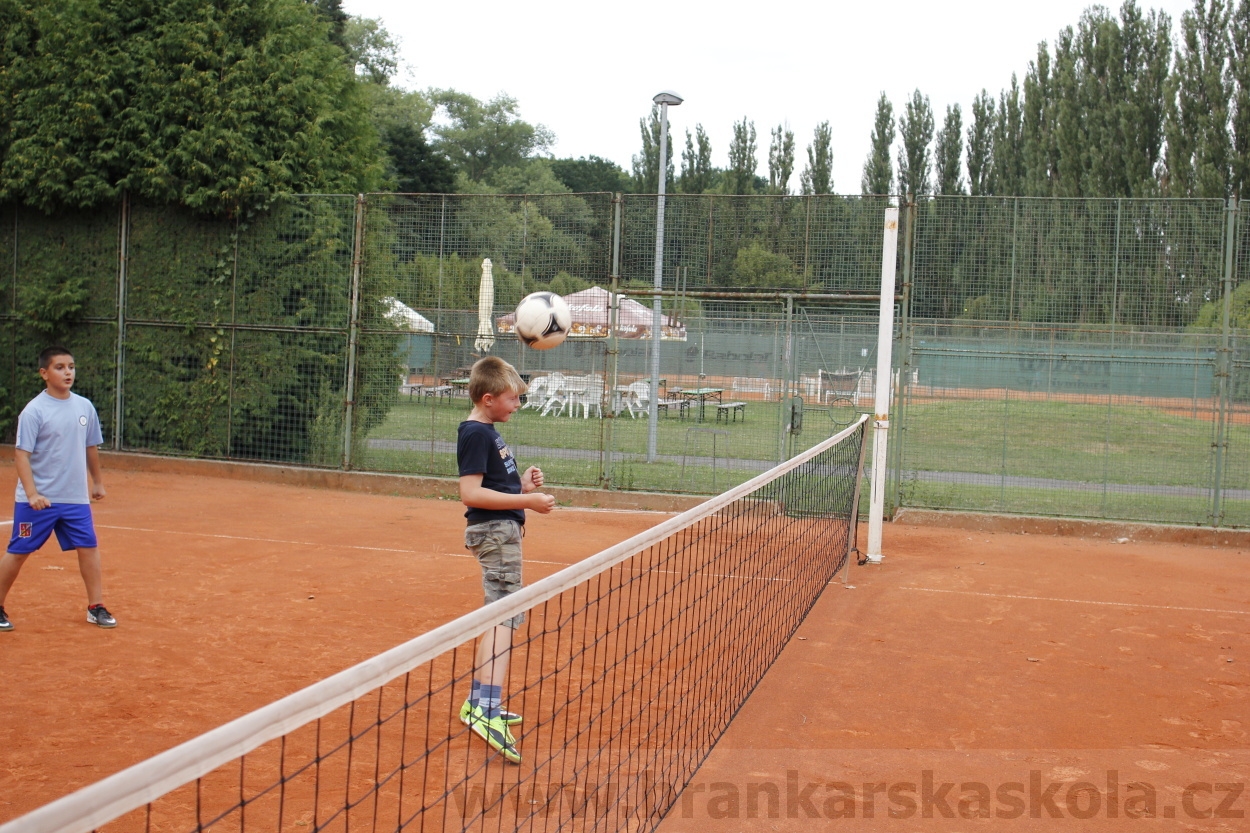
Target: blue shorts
{"type": "Point", "coordinates": [32, 527]}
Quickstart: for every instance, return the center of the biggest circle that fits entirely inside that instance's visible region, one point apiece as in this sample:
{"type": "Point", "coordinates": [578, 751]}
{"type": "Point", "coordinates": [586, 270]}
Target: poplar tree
{"type": "Point", "coordinates": [915, 128]}
{"type": "Point", "coordinates": [742, 161]}
{"type": "Point", "coordinates": [780, 160]}
{"type": "Point", "coordinates": [1240, 37]}
{"type": "Point", "coordinates": [817, 176]}
{"type": "Point", "coordinates": [1199, 146]}
{"type": "Point", "coordinates": [696, 163]}
{"type": "Point", "coordinates": [1008, 168]}
{"type": "Point", "coordinates": [981, 145]}
{"type": "Point", "coordinates": [647, 163]}
{"type": "Point", "coordinates": [878, 172]}
{"type": "Point", "coordinates": [949, 152]}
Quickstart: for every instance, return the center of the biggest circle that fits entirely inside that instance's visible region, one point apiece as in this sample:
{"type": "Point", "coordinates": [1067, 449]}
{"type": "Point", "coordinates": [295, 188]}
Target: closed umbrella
{"type": "Point", "coordinates": [485, 309]}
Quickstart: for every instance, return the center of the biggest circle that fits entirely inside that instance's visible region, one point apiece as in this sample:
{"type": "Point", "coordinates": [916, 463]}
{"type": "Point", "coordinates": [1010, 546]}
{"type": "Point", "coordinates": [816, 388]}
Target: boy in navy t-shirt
{"type": "Point", "coordinates": [57, 436]}
{"type": "Point", "coordinates": [496, 495]}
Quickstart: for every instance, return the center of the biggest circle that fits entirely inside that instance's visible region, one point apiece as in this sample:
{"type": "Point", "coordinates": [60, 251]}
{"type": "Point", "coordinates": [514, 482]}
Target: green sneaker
{"type": "Point", "coordinates": [495, 732]}
{"type": "Point", "coordinates": [510, 718]}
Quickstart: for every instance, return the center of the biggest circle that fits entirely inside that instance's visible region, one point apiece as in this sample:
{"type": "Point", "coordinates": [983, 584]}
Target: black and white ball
{"type": "Point", "coordinates": [543, 320]}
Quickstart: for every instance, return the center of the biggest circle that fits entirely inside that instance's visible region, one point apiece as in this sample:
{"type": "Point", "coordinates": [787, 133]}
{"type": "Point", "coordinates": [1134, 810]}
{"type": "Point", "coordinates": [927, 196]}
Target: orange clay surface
{"type": "Point", "coordinates": [973, 673]}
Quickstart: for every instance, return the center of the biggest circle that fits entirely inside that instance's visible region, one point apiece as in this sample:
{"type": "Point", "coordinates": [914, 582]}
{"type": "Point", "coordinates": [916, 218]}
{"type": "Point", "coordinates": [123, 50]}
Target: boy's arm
{"type": "Point", "coordinates": [476, 496]}
{"type": "Point", "coordinates": [93, 469]}
{"type": "Point", "coordinates": [21, 462]}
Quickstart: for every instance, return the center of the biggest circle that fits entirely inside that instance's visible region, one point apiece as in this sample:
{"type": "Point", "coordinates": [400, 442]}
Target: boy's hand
{"type": "Point", "coordinates": [542, 503]}
{"type": "Point", "coordinates": [532, 479]}
{"type": "Point", "coordinates": [38, 501]}
{"type": "Point", "coordinates": [97, 491]}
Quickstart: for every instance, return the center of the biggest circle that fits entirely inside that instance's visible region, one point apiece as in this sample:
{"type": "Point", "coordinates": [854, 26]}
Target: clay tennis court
{"type": "Point", "coordinates": [983, 660]}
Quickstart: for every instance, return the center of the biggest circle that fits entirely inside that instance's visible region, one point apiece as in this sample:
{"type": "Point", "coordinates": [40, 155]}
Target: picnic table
{"type": "Point", "coordinates": [702, 395]}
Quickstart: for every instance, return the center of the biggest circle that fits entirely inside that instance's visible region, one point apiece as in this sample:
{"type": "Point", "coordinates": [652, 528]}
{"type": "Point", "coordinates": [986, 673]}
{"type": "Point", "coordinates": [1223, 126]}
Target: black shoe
{"type": "Point", "coordinates": [5, 624]}
{"type": "Point", "coordinates": [98, 615]}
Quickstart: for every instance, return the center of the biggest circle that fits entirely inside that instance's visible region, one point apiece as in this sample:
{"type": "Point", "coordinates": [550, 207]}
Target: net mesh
{"type": "Point", "coordinates": [628, 669]}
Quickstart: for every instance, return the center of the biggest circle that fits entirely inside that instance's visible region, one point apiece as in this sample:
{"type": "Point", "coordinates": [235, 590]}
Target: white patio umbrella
{"type": "Point", "coordinates": [485, 309]}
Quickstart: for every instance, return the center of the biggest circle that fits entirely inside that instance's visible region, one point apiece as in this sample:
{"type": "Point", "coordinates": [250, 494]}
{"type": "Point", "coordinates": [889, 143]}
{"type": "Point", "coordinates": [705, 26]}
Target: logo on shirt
{"type": "Point", "coordinates": [82, 420]}
{"type": "Point", "coordinates": [24, 530]}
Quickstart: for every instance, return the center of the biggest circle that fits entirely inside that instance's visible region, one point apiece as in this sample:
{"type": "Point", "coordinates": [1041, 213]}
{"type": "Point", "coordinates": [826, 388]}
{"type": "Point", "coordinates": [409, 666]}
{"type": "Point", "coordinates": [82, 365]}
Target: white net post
{"type": "Point", "coordinates": [881, 408]}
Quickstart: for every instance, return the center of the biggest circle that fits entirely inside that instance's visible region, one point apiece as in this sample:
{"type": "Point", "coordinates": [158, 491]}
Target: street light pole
{"type": "Point", "coordinates": [663, 99]}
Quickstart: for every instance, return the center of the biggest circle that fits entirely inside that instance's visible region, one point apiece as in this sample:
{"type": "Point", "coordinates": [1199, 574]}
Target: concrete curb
{"type": "Point", "coordinates": [1077, 528]}
{"type": "Point", "coordinates": [397, 485]}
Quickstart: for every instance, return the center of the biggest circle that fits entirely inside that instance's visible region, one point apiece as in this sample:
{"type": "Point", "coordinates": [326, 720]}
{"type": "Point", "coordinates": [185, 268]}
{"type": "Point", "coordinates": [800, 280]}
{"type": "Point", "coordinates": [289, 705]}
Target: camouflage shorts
{"type": "Point", "coordinates": [497, 547]}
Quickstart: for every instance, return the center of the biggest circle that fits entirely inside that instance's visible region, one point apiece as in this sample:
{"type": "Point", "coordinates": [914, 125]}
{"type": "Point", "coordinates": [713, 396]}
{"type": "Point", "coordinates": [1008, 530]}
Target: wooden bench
{"type": "Point", "coordinates": [682, 405]}
{"type": "Point", "coordinates": [440, 391]}
{"type": "Point", "coordinates": [731, 410]}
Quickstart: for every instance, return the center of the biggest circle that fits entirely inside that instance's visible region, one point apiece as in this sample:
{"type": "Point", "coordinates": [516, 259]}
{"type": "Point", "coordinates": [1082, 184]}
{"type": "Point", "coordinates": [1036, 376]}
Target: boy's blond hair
{"type": "Point", "coordinates": [495, 376]}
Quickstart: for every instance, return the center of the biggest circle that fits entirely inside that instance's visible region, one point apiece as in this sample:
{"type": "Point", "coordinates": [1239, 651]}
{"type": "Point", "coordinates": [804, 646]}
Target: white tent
{"type": "Point", "coordinates": [590, 310]}
{"type": "Point", "coordinates": [405, 317]}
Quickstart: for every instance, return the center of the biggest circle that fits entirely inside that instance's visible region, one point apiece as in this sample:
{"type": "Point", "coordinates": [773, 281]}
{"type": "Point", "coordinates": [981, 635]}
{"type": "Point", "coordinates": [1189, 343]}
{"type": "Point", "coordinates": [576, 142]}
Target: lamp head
{"type": "Point", "coordinates": [668, 97]}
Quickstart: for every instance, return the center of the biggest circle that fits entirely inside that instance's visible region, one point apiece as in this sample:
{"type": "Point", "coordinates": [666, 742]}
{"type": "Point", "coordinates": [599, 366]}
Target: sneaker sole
{"type": "Point", "coordinates": [484, 732]}
{"type": "Point", "coordinates": [91, 620]}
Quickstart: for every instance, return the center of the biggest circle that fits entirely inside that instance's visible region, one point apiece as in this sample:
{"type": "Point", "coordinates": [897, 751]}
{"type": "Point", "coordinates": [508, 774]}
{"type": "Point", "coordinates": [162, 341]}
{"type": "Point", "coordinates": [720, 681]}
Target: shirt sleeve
{"type": "Point", "coordinates": [28, 429]}
{"type": "Point", "coordinates": [472, 453]}
{"type": "Point", "coordinates": [95, 436]}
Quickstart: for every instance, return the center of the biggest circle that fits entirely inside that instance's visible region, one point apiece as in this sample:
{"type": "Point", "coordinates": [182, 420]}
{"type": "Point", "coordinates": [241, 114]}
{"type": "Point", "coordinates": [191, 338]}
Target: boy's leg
{"type": "Point", "coordinates": [494, 648]}
{"type": "Point", "coordinates": [10, 565]}
{"type": "Point", "coordinates": [92, 575]}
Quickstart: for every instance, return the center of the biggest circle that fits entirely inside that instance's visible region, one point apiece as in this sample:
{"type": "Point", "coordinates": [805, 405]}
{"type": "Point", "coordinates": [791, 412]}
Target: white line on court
{"type": "Point", "coordinates": [303, 543]}
{"type": "Point", "coordinates": [1078, 601]}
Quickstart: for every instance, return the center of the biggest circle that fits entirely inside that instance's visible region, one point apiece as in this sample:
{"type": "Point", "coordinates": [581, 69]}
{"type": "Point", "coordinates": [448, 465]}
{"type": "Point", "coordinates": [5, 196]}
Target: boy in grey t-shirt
{"type": "Point", "coordinates": [57, 436]}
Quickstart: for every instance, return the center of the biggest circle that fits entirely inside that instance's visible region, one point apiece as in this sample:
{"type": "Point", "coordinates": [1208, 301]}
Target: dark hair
{"type": "Point", "coordinates": [49, 353]}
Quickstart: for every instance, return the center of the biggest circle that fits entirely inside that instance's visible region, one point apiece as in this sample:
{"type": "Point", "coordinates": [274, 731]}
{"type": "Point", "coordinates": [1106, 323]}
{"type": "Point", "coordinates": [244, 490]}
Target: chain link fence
{"type": "Point", "coordinates": [1057, 357]}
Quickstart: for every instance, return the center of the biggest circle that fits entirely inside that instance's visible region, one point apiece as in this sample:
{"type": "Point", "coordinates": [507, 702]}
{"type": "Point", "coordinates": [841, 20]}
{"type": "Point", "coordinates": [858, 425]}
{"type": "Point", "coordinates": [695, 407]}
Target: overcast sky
{"type": "Point", "coordinates": [589, 72]}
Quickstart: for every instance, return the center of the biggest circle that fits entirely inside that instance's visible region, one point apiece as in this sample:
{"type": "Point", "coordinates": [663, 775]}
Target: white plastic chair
{"type": "Point", "coordinates": [557, 395]}
{"type": "Point", "coordinates": [537, 394]}
{"type": "Point", "coordinates": [635, 398]}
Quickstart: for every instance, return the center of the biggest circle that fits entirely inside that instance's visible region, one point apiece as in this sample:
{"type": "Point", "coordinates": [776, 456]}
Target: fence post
{"type": "Point", "coordinates": [614, 348]}
{"type": "Point", "coordinates": [881, 386]}
{"type": "Point", "coordinates": [1224, 367]}
{"type": "Point", "coordinates": [903, 393]}
{"type": "Point", "coordinates": [353, 330]}
{"type": "Point", "coordinates": [123, 256]}
{"type": "Point", "coordinates": [787, 387]}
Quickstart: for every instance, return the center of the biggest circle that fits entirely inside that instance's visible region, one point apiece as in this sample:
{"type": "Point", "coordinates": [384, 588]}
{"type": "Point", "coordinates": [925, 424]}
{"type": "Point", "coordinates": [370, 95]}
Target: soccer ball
{"type": "Point", "coordinates": [543, 320]}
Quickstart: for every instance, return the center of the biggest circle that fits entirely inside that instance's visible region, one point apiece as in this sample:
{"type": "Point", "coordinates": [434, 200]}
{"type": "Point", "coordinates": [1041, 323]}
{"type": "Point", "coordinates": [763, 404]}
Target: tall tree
{"type": "Point", "coordinates": [878, 172]}
{"type": "Point", "coordinates": [1199, 147]}
{"type": "Point", "coordinates": [211, 106]}
{"type": "Point", "coordinates": [949, 153]}
{"type": "Point", "coordinates": [696, 163]}
{"type": "Point", "coordinates": [479, 137]}
{"type": "Point", "coordinates": [371, 50]}
{"type": "Point", "coordinates": [1143, 111]}
{"type": "Point", "coordinates": [589, 174]}
{"type": "Point", "coordinates": [780, 160]}
{"type": "Point", "coordinates": [915, 128]}
{"type": "Point", "coordinates": [817, 176]}
{"type": "Point", "coordinates": [981, 145]}
{"type": "Point", "coordinates": [647, 163]}
{"type": "Point", "coordinates": [1241, 109]}
{"type": "Point", "coordinates": [331, 11]}
{"type": "Point", "coordinates": [413, 166]}
{"type": "Point", "coordinates": [1008, 168]}
{"type": "Point", "coordinates": [740, 176]}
